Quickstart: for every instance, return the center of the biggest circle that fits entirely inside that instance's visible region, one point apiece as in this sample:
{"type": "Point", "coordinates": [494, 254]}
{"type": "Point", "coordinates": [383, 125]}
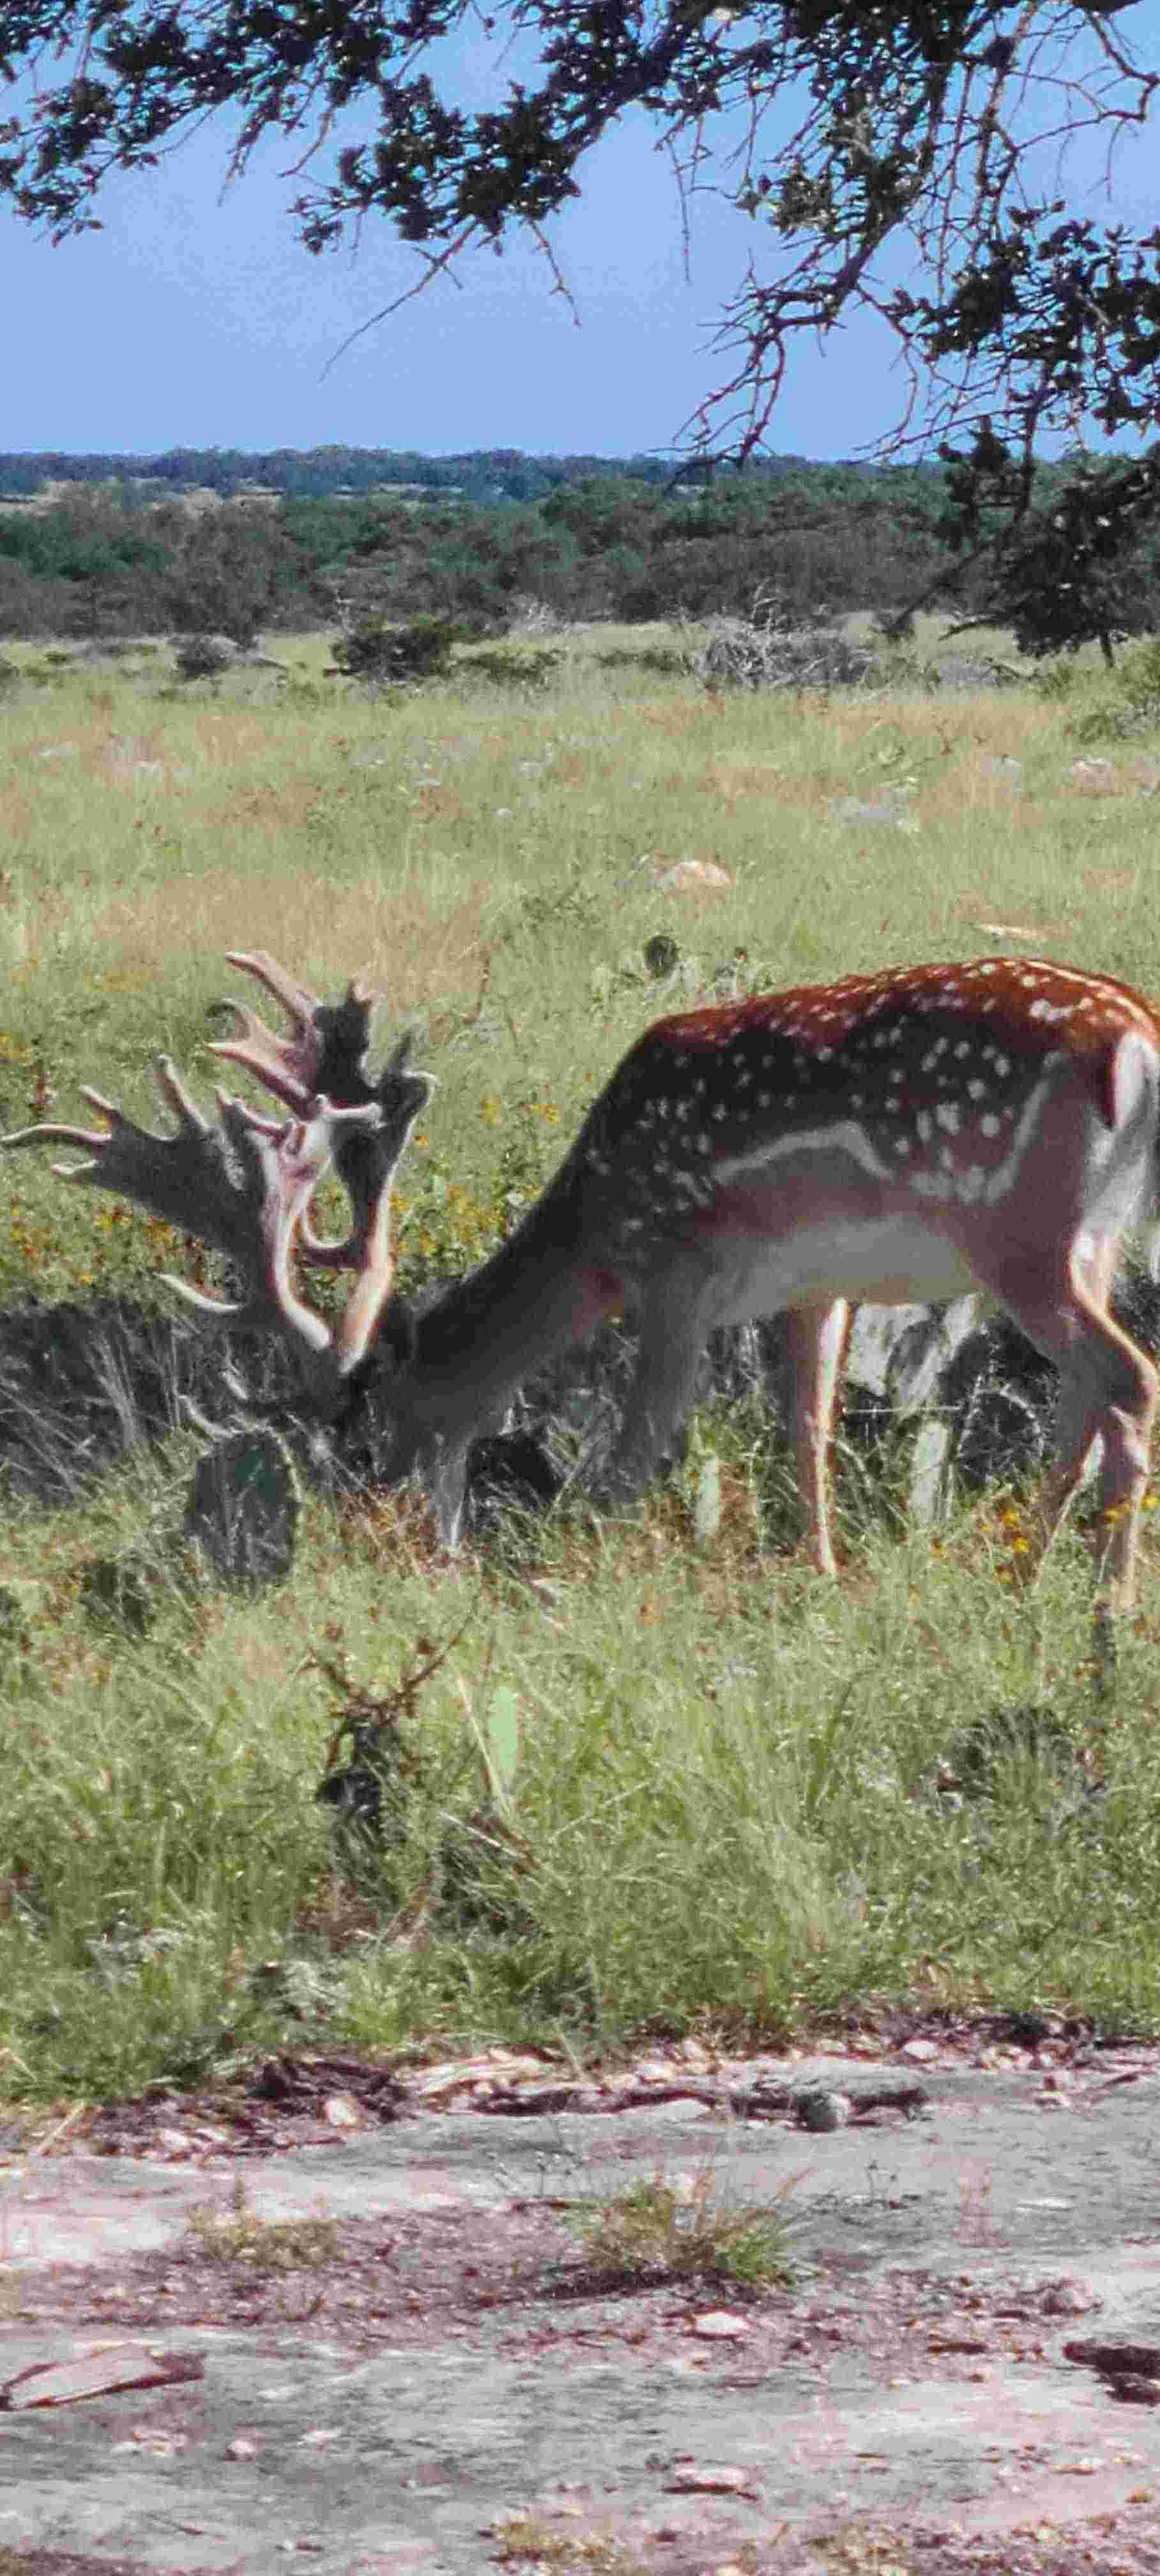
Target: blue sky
{"type": "Point", "coordinates": [195, 319]}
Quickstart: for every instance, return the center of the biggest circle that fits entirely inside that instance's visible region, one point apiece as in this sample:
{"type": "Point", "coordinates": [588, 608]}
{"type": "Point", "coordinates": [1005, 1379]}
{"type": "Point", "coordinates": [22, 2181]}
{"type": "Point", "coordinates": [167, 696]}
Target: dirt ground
{"type": "Point", "coordinates": [355, 2319]}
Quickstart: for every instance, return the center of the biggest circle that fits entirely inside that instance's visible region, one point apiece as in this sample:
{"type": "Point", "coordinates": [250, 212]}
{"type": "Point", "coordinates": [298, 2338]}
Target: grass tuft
{"type": "Point", "coordinates": [241, 2241]}
{"type": "Point", "coordinates": [693, 2229]}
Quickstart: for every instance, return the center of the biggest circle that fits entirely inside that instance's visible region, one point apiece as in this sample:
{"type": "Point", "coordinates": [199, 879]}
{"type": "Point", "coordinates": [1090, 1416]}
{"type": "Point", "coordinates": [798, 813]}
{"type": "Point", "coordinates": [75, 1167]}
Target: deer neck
{"type": "Point", "coordinates": [536, 1297]}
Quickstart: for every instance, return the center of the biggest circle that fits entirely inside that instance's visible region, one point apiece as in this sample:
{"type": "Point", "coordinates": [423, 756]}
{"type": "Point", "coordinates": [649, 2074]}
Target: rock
{"type": "Point", "coordinates": [341, 2111]}
{"type": "Point", "coordinates": [1121, 2360]}
{"type": "Point", "coordinates": [693, 872]}
{"type": "Point", "coordinates": [891, 808]}
{"type": "Point", "coordinates": [94, 2373]}
{"type": "Point", "coordinates": [712, 2481]}
{"type": "Point", "coordinates": [1069, 2299]}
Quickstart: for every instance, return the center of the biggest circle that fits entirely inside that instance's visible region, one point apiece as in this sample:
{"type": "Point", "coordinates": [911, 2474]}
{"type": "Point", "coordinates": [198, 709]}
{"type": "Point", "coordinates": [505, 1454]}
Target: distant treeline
{"type": "Point", "coordinates": [190, 542]}
{"type": "Point", "coordinates": [488, 476]}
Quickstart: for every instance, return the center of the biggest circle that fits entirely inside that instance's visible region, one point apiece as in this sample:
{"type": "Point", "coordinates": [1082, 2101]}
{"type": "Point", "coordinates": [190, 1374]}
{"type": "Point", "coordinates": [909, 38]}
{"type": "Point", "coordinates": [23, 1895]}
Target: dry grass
{"type": "Point", "coordinates": [483, 846]}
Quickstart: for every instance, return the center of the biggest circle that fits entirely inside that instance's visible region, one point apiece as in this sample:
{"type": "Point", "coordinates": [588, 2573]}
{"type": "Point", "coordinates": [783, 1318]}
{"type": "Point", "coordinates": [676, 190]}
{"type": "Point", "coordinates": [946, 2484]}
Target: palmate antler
{"type": "Point", "coordinates": [244, 1184]}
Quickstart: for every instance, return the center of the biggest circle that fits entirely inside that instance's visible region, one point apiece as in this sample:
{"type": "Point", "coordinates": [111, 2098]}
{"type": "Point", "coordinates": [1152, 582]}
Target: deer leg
{"type": "Point", "coordinates": [1123, 1413]}
{"type": "Point", "coordinates": [1107, 1386]}
{"type": "Point", "coordinates": [676, 1319]}
{"type": "Point", "coordinates": [818, 1337]}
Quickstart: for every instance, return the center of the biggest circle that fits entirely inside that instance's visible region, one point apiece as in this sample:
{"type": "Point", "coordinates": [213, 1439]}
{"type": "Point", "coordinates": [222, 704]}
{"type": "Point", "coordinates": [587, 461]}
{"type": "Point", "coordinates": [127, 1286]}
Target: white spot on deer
{"type": "Point", "coordinates": [1003, 1178]}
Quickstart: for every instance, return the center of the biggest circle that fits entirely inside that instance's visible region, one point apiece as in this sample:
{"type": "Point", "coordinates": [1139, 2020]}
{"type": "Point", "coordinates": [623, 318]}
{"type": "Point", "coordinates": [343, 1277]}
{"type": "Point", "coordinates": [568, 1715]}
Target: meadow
{"type": "Point", "coordinates": [747, 1804]}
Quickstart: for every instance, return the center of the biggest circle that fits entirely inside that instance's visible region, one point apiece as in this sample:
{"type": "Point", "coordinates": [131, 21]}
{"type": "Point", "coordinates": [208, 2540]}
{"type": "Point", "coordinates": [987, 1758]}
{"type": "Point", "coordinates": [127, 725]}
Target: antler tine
{"type": "Point", "coordinates": [244, 1182]}
{"type": "Point", "coordinates": [366, 1161]}
{"type": "Point", "coordinates": [288, 1066]}
{"type": "Point", "coordinates": [297, 1001]}
{"type": "Point", "coordinates": [325, 1050]}
{"type": "Point", "coordinates": [326, 1054]}
{"type": "Point", "coordinates": [290, 1158]}
{"type": "Point", "coordinates": [184, 1179]}
{"type": "Point", "coordinates": [242, 1185]}
{"type": "Point", "coordinates": [281, 1064]}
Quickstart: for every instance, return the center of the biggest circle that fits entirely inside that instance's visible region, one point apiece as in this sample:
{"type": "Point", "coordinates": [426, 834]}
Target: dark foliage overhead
{"type": "Point", "coordinates": [1069, 571]}
{"type": "Point", "coordinates": [924, 138]}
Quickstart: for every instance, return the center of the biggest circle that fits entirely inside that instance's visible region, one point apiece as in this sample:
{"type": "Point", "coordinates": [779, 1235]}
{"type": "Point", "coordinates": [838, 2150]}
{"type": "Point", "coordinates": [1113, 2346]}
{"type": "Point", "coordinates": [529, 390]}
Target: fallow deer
{"type": "Point", "coordinates": [908, 1134]}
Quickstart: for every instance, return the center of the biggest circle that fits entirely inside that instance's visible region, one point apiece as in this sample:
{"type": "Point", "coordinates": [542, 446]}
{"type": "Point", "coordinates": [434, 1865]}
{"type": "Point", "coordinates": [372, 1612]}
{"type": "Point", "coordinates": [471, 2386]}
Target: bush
{"type": "Point", "coordinates": [203, 657]}
{"type": "Point", "coordinates": [764, 651]}
{"type": "Point", "coordinates": [386, 656]}
{"type": "Point", "coordinates": [512, 670]}
{"type": "Point", "coordinates": [1131, 708]}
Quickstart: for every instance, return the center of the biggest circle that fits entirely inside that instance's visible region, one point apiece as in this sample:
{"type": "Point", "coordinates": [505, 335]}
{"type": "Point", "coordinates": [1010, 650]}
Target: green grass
{"type": "Point", "coordinates": [747, 1804]}
{"type": "Point", "coordinates": [693, 2229]}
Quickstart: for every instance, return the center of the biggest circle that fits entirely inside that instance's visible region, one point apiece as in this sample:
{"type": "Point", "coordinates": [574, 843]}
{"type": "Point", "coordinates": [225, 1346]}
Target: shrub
{"type": "Point", "coordinates": [203, 657]}
{"type": "Point", "coordinates": [386, 656]}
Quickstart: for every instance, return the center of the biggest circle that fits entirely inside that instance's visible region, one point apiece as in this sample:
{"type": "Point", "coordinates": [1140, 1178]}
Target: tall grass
{"type": "Point", "coordinates": [746, 1802]}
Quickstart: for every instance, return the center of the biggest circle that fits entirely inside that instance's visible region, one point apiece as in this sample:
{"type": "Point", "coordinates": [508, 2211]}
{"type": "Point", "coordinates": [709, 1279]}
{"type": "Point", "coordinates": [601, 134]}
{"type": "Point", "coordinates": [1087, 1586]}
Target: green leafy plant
{"type": "Point", "coordinates": [661, 2230]}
